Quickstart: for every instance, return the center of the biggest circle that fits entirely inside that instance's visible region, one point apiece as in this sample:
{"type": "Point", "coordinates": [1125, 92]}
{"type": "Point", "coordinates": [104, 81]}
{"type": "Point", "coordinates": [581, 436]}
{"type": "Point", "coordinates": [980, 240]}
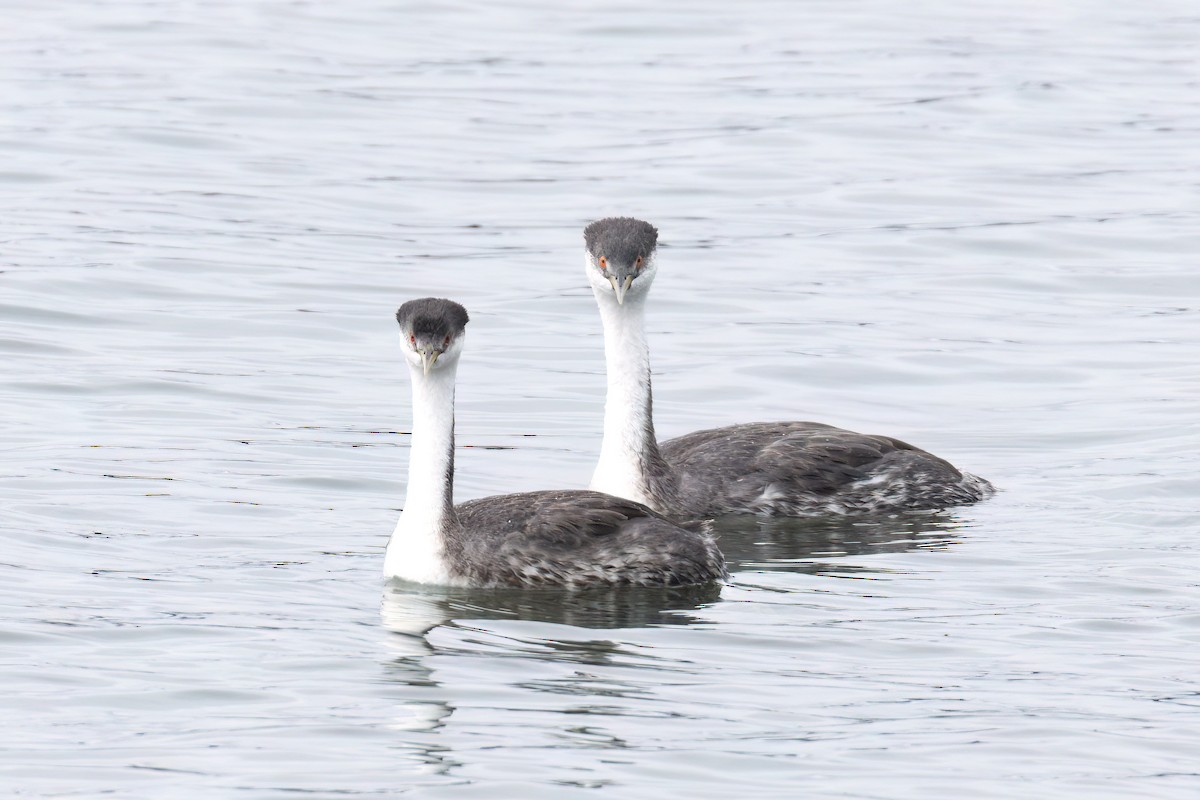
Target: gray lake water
{"type": "Point", "coordinates": [970, 226]}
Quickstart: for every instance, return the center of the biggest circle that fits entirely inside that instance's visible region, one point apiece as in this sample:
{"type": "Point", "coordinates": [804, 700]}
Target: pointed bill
{"type": "Point", "coordinates": [428, 359]}
{"type": "Point", "coordinates": [621, 288]}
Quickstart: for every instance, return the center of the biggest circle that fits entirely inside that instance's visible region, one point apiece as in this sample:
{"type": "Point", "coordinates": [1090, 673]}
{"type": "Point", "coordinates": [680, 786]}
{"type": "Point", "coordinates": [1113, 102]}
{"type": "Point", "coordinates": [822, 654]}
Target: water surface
{"type": "Point", "coordinates": [970, 227]}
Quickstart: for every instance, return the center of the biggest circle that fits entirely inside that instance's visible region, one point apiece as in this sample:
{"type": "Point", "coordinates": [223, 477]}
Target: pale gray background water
{"type": "Point", "coordinates": [972, 226]}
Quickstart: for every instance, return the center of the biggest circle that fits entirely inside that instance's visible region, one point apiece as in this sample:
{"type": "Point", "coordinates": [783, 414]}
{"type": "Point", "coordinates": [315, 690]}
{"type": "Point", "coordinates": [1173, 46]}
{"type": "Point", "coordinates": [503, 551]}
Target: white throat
{"type": "Point", "coordinates": [417, 549]}
{"type": "Point", "coordinates": [628, 423]}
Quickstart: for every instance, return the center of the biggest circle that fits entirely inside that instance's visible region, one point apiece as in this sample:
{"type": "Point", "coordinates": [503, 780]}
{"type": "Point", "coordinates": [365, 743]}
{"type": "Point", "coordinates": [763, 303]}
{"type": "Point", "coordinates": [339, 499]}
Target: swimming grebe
{"type": "Point", "coordinates": [554, 538]}
{"type": "Point", "coordinates": [783, 468]}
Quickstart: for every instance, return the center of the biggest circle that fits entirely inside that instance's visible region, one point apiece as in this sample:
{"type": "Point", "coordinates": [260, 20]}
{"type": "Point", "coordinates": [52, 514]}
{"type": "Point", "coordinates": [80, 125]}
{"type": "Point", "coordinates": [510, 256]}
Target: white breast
{"type": "Point", "coordinates": [414, 553]}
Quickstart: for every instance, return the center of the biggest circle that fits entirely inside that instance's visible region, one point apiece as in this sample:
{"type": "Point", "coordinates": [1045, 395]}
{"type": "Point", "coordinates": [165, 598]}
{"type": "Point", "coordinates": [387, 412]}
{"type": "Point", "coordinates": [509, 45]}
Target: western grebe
{"type": "Point", "coordinates": [783, 468]}
{"type": "Point", "coordinates": [553, 538]}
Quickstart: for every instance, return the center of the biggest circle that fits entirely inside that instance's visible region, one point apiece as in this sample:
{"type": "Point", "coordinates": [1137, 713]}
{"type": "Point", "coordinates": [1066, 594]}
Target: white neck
{"type": "Point", "coordinates": [417, 549]}
{"type": "Point", "coordinates": [629, 443]}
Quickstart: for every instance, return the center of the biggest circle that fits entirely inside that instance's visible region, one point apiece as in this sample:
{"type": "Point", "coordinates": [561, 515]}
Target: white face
{"type": "Point", "coordinates": [620, 282]}
{"type": "Point", "coordinates": [428, 355]}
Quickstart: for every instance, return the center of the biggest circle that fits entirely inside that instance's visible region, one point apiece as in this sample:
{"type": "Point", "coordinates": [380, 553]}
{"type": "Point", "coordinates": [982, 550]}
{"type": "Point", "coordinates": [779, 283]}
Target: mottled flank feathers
{"type": "Point", "coordinates": [807, 469]}
{"type": "Point", "coordinates": [575, 539]}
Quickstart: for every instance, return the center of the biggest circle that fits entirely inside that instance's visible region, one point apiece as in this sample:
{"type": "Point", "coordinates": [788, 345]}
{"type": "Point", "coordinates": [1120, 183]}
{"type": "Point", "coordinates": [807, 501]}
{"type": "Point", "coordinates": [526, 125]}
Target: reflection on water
{"type": "Point", "coordinates": [556, 628]}
{"type": "Point", "coordinates": [778, 544]}
{"type": "Point", "coordinates": [415, 610]}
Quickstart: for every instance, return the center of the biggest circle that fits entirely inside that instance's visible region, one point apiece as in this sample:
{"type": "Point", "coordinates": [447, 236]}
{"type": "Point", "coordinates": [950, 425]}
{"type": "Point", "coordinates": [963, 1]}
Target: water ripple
{"type": "Point", "coordinates": [971, 227]}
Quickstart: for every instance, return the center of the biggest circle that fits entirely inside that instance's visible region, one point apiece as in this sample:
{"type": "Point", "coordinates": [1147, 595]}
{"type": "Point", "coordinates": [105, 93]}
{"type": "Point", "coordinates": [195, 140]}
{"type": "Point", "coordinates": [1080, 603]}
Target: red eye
{"type": "Point", "coordinates": [603, 262]}
{"type": "Point", "coordinates": [412, 339]}
{"type": "Point", "coordinates": [447, 341]}
{"type": "Point", "coordinates": [638, 263]}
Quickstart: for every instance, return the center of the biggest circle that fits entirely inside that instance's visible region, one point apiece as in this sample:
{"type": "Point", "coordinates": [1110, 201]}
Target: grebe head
{"type": "Point", "coordinates": [620, 256]}
{"type": "Point", "coordinates": [432, 331]}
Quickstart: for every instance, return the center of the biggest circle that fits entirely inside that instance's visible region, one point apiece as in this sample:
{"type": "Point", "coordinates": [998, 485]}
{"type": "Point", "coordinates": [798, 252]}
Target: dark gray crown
{"type": "Point", "coordinates": [432, 317]}
{"type": "Point", "coordinates": [620, 239]}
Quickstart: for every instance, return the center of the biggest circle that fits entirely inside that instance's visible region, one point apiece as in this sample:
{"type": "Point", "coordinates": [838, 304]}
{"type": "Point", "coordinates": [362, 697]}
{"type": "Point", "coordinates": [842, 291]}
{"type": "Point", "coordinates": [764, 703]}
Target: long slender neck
{"type": "Point", "coordinates": [430, 492]}
{"type": "Point", "coordinates": [424, 537]}
{"type": "Point", "coordinates": [630, 464]}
